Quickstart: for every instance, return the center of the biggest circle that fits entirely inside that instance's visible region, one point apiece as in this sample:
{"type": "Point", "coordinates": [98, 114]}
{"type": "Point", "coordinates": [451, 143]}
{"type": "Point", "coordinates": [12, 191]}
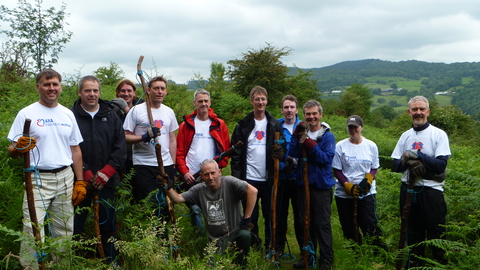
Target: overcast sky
{"type": "Point", "coordinates": [184, 37]}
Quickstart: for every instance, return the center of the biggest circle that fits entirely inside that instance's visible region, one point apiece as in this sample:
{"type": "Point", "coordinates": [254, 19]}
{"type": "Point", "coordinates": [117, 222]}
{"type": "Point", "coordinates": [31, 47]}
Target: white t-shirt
{"type": "Point", "coordinates": [55, 130]}
{"type": "Point", "coordinates": [355, 160]}
{"type": "Point", "coordinates": [256, 152]}
{"type": "Point", "coordinates": [202, 146]}
{"type": "Point", "coordinates": [137, 122]}
{"type": "Point", "coordinates": [289, 127]}
{"type": "Point", "coordinates": [432, 141]}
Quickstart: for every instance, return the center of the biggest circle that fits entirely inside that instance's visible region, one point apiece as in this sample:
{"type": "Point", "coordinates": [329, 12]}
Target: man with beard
{"type": "Point", "coordinates": [423, 152]}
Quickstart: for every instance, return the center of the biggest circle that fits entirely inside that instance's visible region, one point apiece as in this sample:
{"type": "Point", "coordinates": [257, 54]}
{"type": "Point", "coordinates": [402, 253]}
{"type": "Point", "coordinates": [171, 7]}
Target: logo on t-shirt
{"type": "Point", "coordinates": [215, 213]}
{"type": "Point", "coordinates": [43, 122]}
{"type": "Point", "coordinates": [259, 135]}
{"type": "Point", "coordinates": [159, 123]}
{"type": "Point", "coordinates": [417, 145]}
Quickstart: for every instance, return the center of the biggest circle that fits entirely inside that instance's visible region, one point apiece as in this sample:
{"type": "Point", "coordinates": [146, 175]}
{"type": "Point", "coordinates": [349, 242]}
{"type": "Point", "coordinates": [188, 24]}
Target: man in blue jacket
{"type": "Point", "coordinates": [314, 137]}
{"type": "Point", "coordinates": [287, 188]}
{"type": "Point", "coordinates": [104, 153]}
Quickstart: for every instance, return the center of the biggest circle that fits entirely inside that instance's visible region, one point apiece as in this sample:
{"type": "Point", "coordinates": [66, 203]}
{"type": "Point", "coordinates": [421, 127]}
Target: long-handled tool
{"type": "Point", "coordinates": [158, 149]}
{"type": "Point", "coordinates": [96, 222]}
{"type": "Point", "coordinates": [307, 208]}
{"type": "Point", "coordinates": [404, 224]}
{"type": "Point", "coordinates": [355, 221]}
{"type": "Point", "coordinates": [228, 153]}
{"type": "Point", "coordinates": [276, 171]}
{"type": "Point", "coordinates": [29, 191]}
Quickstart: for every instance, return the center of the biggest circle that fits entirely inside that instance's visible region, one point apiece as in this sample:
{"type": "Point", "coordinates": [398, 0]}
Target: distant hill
{"type": "Point", "coordinates": [461, 78]}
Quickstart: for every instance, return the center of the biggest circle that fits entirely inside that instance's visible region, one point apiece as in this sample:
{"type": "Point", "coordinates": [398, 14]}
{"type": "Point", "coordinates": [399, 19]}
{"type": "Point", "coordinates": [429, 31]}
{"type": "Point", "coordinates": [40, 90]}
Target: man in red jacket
{"type": "Point", "coordinates": [202, 135]}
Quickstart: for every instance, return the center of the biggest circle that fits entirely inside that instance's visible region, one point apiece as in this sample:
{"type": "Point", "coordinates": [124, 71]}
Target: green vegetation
{"type": "Point", "coordinates": [413, 77]}
{"type": "Point", "coordinates": [139, 243]}
{"type": "Point", "coordinates": [141, 248]}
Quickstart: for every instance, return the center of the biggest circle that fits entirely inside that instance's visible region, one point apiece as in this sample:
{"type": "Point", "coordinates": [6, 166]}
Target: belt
{"type": "Point", "coordinates": [54, 170]}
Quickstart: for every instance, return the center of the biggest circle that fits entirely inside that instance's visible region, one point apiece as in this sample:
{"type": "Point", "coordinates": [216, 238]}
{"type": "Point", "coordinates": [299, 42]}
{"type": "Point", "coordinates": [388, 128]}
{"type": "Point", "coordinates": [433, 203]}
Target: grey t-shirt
{"type": "Point", "coordinates": [222, 208]}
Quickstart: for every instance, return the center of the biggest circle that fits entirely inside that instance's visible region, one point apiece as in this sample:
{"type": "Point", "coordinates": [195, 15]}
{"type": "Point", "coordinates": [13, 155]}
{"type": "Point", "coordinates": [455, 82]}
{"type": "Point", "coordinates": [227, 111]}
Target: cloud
{"type": "Point", "coordinates": [183, 37]}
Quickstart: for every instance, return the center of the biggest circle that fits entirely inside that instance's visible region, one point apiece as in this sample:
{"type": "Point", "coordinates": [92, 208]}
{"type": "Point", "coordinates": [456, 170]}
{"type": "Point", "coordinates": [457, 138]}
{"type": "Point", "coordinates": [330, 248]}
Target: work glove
{"type": "Point", "coordinates": [416, 167]}
{"type": "Point", "coordinates": [246, 223]}
{"type": "Point", "coordinates": [88, 175]}
{"type": "Point", "coordinates": [352, 190]}
{"type": "Point", "coordinates": [366, 183]}
{"type": "Point", "coordinates": [24, 144]}
{"type": "Point", "coordinates": [301, 132]}
{"type": "Point", "coordinates": [79, 191]}
{"type": "Point", "coordinates": [290, 165]}
{"type": "Point", "coordinates": [277, 151]}
{"type": "Point", "coordinates": [101, 178]}
{"type": "Point", "coordinates": [409, 155]}
{"type": "Point", "coordinates": [151, 133]}
{"type": "Point", "coordinates": [164, 182]}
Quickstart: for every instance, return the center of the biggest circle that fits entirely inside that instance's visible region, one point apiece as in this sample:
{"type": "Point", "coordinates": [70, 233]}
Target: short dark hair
{"type": "Point", "coordinates": [291, 98]}
{"type": "Point", "coordinates": [48, 73]}
{"type": "Point", "coordinates": [157, 79]}
{"type": "Point", "coordinates": [90, 78]}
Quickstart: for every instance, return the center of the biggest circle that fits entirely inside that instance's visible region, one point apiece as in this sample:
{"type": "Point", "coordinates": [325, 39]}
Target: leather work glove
{"type": "Point", "coordinates": [409, 155]}
{"type": "Point", "coordinates": [301, 132]}
{"type": "Point", "coordinates": [88, 175]}
{"type": "Point", "coordinates": [151, 133]}
{"type": "Point", "coordinates": [352, 190]}
{"type": "Point", "coordinates": [277, 151]}
{"type": "Point", "coordinates": [246, 223]}
{"type": "Point", "coordinates": [416, 167]}
{"type": "Point", "coordinates": [164, 182]}
{"type": "Point", "coordinates": [24, 144]}
{"type": "Point", "coordinates": [366, 183]}
{"type": "Point", "coordinates": [79, 191]}
{"type": "Point", "coordinates": [290, 165]}
{"type": "Point", "coordinates": [102, 176]}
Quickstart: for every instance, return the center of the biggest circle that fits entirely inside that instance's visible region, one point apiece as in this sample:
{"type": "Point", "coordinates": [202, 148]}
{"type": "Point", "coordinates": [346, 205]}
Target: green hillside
{"type": "Point", "coordinates": [412, 77]}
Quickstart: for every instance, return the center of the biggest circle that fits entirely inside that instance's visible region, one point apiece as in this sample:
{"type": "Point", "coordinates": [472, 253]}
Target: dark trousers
{"type": "Point", "coordinates": [108, 225]}
{"type": "Point", "coordinates": [427, 213]}
{"type": "Point", "coordinates": [320, 232]}
{"type": "Point", "coordinates": [265, 196]}
{"type": "Point", "coordinates": [287, 191]}
{"type": "Point", "coordinates": [366, 219]}
{"type": "Point", "coordinates": [243, 242]}
{"type": "Point", "coordinates": [146, 182]}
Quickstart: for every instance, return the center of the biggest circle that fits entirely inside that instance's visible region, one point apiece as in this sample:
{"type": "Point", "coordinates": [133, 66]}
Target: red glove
{"type": "Point", "coordinates": [88, 175]}
{"type": "Point", "coordinates": [24, 144]}
{"type": "Point", "coordinates": [102, 176]}
{"type": "Point", "coordinates": [309, 144]}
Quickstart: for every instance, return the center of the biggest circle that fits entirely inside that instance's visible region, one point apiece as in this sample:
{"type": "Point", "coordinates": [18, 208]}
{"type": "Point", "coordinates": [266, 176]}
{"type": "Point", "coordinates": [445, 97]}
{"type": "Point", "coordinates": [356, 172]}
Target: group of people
{"type": "Point", "coordinates": [81, 152]}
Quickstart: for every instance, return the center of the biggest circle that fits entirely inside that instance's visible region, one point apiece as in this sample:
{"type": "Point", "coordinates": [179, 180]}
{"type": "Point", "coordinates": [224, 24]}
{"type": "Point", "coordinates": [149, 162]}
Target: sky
{"type": "Point", "coordinates": [182, 38]}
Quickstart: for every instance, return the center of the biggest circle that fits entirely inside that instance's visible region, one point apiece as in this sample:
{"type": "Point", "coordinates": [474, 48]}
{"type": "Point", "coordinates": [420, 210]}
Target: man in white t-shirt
{"type": "Point", "coordinates": [144, 136]}
{"type": "Point", "coordinates": [254, 161]}
{"type": "Point", "coordinates": [57, 160]}
{"type": "Point", "coordinates": [202, 135]}
{"type": "Point", "coordinates": [424, 151]}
